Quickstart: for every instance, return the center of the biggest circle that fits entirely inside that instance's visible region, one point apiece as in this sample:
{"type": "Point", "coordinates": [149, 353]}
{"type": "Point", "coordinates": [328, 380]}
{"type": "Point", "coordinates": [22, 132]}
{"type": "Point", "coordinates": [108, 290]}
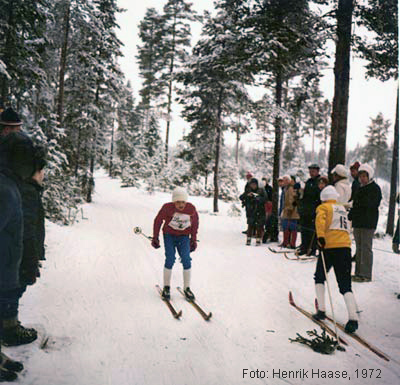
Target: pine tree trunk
{"type": "Point", "coordinates": [277, 147]}
{"type": "Point", "coordinates": [63, 64]}
{"type": "Point", "coordinates": [217, 149]}
{"type": "Point", "coordinates": [111, 151]}
{"type": "Point", "coordinates": [337, 152]}
{"type": "Point", "coordinates": [169, 109]}
{"type": "Point", "coordinates": [395, 173]}
{"type": "Point", "coordinates": [237, 145]}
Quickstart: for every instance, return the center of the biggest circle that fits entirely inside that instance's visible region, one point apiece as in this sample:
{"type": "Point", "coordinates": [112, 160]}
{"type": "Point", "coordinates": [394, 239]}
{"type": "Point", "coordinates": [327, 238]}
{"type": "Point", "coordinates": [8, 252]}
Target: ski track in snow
{"type": "Point", "coordinates": [96, 300]}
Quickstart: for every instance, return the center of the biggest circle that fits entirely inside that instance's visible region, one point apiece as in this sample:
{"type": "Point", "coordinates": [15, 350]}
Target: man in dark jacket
{"type": "Point", "coordinates": [254, 201]}
{"type": "Point", "coordinates": [354, 174]}
{"type": "Point", "coordinates": [15, 165]}
{"type": "Point", "coordinates": [21, 160]}
{"type": "Point", "coordinates": [307, 210]}
{"type": "Point", "coordinates": [365, 214]}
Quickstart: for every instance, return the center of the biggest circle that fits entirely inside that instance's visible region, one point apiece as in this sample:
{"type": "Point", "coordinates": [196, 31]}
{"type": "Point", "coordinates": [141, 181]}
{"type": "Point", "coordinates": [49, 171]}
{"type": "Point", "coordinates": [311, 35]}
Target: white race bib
{"type": "Point", "coordinates": [180, 221]}
{"type": "Point", "coordinates": [339, 219]}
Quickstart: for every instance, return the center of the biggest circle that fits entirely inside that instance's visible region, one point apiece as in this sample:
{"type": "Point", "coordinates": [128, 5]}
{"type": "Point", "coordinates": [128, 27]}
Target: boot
{"type": "Point", "coordinates": [248, 241]}
{"type": "Point", "coordinates": [258, 241]}
{"type": "Point", "coordinates": [15, 334]}
{"type": "Point", "coordinates": [352, 324]}
{"type": "Point", "coordinates": [9, 364]}
{"type": "Point", "coordinates": [7, 375]}
{"type": "Point", "coordinates": [188, 294]}
{"type": "Point", "coordinates": [166, 293]}
{"type": "Point", "coordinates": [319, 315]}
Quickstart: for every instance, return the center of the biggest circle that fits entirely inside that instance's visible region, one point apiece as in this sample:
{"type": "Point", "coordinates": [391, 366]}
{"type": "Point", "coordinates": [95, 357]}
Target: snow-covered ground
{"type": "Point", "coordinates": [107, 325]}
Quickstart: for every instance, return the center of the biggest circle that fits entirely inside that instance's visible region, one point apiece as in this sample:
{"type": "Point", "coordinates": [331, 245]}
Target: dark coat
{"type": "Point", "coordinates": [11, 229]}
{"type": "Point", "coordinates": [255, 209]}
{"type": "Point", "coordinates": [354, 188]}
{"type": "Point", "coordinates": [308, 205]}
{"type": "Point", "coordinates": [268, 192]}
{"type": "Point", "coordinates": [34, 232]}
{"type": "Point", "coordinates": [365, 210]}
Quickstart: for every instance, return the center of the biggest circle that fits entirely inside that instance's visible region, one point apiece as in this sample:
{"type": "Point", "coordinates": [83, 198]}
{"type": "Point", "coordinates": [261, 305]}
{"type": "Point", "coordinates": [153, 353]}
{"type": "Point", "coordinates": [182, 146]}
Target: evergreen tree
{"type": "Point", "coordinates": [214, 83]}
{"type": "Point", "coordinates": [381, 18]}
{"type": "Point", "coordinates": [176, 40]}
{"type": "Point", "coordinates": [377, 148]}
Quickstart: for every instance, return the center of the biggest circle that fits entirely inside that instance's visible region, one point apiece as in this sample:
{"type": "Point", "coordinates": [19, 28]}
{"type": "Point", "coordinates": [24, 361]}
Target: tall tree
{"type": "Point", "coordinates": [377, 146]}
{"type": "Point", "coordinates": [214, 81]}
{"type": "Point", "coordinates": [381, 53]}
{"type": "Point", "coordinates": [176, 40]}
{"type": "Point", "coordinates": [337, 151]}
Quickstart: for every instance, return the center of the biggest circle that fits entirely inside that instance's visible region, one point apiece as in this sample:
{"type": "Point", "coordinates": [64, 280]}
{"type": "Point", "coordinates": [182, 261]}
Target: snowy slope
{"type": "Point", "coordinates": [97, 302]}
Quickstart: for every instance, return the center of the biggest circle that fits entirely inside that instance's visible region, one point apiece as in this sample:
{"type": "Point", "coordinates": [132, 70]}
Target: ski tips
{"type": "Point", "coordinates": [291, 300]}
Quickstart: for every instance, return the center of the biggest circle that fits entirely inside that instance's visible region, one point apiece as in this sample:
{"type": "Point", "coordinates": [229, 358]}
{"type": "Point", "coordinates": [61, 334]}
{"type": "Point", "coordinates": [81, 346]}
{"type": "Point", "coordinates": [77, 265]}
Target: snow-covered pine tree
{"type": "Point", "coordinates": [175, 43]}
{"type": "Point", "coordinates": [213, 83]}
{"type": "Point", "coordinates": [151, 61]}
{"type": "Point", "coordinates": [376, 149]}
{"type": "Point", "coordinates": [382, 53]}
{"type": "Point", "coordinates": [281, 40]}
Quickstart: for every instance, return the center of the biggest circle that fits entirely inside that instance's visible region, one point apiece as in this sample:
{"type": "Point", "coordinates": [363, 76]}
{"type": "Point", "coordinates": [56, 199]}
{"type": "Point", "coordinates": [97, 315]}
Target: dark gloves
{"type": "Point", "coordinates": [321, 242]}
{"type": "Point", "coordinates": [155, 243]}
{"type": "Point", "coordinates": [193, 244]}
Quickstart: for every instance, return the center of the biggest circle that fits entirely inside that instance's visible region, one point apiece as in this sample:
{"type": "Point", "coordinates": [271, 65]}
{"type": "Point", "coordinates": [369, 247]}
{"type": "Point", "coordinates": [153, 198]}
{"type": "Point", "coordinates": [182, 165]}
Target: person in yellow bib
{"type": "Point", "coordinates": [333, 234]}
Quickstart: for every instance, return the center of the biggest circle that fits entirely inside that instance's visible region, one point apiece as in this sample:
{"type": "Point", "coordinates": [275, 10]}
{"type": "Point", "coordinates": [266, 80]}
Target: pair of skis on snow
{"type": "Point", "coordinates": [287, 252]}
{"type": "Point", "coordinates": [329, 330]}
{"type": "Point", "coordinates": [178, 314]}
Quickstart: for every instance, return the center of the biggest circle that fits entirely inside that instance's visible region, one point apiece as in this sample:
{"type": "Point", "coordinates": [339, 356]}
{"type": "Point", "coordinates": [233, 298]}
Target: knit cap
{"type": "Point", "coordinates": [179, 194]}
{"type": "Point", "coordinates": [329, 193]}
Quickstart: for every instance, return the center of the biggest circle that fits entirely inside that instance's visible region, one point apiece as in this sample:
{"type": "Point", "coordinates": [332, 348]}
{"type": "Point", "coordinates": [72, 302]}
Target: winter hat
{"type": "Point", "coordinates": [249, 175]}
{"type": "Point", "coordinates": [329, 193]}
{"type": "Point", "coordinates": [368, 169]}
{"type": "Point", "coordinates": [340, 170]}
{"type": "Point", "coordinates": [10, 118]}
{"type": "Point", "coordinates": [17, 153]}
{"type": "Point", "coordinates": [313, 166]}
{"type": "Point", "coordinates": [179, 194]}
{"type": "Point", "coordinates": [253, 180]}
{"type": "Point", "coordinates": [355, 166]}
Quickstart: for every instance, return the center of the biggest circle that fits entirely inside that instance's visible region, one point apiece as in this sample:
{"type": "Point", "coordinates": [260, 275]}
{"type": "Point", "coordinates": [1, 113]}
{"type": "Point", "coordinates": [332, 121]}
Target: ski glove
{"type": "Point", "coordinates": [193, 245]}
{"type": "Point", "coordinates": [155, 243]}
{"type": "Point", "coordinates": [321, 242]}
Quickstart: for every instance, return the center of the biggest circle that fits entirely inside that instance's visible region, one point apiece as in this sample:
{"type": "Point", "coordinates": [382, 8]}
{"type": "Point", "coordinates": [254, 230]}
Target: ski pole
{"type": "Point", "coordinates": [138, 231]}
{"type": "Point", "coordinates": [330, 297]}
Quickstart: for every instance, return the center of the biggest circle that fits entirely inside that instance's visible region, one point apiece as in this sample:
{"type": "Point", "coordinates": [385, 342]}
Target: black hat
{"type": "Point", "coordinates": [17, 154]}
{"type": "Point", "coordinates": [314, 166]}
{"type": "Point", "coordinates": [10, 118]}
{"type": "Point", "coordinates": [253, 180]}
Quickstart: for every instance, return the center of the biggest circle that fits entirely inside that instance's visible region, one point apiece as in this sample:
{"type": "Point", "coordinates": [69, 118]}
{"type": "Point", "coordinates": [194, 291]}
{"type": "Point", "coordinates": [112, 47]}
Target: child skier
{"type": "Point", "coordinates": [180, 221]}
{"type": "Point", "coordinates": [333, 237]}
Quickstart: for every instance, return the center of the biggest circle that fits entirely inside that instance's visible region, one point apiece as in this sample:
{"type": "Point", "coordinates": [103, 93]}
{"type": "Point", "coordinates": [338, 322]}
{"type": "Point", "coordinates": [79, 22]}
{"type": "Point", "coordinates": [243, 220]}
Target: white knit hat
{"type": "Point", "coordinates": [329, 193]}
{"type": "Point", "coordinates": [179, 194]}
{"type": "Point", "coordinates": [368, 169]}
{"type": "Point", "coordinates": [340, 170]}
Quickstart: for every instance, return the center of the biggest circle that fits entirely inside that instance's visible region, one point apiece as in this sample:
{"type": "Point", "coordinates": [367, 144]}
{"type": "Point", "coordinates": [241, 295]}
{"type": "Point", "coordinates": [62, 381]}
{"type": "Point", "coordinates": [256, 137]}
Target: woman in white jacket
{"type": "Point", "coordinates": [342, 184]}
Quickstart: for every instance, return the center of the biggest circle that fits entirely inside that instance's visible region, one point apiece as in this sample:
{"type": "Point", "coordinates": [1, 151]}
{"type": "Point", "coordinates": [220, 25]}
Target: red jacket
{"type": "Point", "coordinates": [177, 222]}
